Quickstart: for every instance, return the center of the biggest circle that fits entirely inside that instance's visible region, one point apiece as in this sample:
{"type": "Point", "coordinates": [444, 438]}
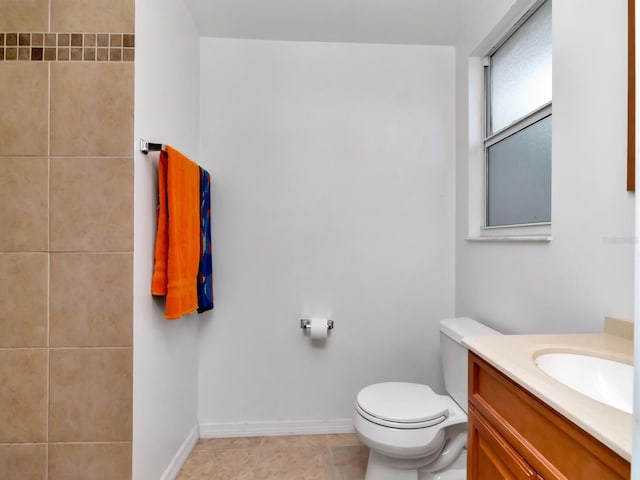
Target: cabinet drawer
{"type": "Point", "coordinates": [551, 444]}
{"type": "Point", "coordinates": [490, 456]}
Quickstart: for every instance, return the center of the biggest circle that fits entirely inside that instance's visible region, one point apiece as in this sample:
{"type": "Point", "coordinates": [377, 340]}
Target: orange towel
{"type": "Point", "coordinates": [177, 247]}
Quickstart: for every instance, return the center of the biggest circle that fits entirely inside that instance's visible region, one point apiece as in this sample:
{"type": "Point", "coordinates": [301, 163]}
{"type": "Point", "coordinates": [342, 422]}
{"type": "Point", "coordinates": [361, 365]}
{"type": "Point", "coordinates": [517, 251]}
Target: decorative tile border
{"type": "Point", "coordinates": [63, 47]}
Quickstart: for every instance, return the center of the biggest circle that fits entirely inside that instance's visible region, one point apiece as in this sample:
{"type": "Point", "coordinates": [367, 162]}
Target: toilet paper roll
{"type": "Point", "coordinates": [319, 328]}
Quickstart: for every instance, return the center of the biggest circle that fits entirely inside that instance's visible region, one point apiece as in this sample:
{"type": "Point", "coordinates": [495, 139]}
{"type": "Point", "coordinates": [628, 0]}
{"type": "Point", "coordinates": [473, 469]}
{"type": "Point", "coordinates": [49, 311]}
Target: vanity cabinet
{"type": "Point", "coordinates": [514, 435]}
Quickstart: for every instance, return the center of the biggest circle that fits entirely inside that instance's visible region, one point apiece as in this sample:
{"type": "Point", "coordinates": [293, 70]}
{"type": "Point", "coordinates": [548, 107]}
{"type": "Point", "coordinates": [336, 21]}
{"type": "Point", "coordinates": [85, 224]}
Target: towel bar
{"type": "Point", "coordinates": [146, 147]}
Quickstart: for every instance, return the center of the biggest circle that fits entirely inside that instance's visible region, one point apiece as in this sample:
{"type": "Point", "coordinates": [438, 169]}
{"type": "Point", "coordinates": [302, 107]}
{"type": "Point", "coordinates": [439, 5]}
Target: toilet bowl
{"type": "Point", "coordinates": [412, 432]}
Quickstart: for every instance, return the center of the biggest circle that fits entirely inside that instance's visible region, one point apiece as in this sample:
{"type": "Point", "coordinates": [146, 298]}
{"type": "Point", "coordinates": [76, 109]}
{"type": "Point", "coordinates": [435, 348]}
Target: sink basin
{"type": "Point", "coordinates": [603, 380]}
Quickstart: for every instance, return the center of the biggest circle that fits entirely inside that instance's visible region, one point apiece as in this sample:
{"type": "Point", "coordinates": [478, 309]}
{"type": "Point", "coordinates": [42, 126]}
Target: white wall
{"type": "Point", "coordinates": [333, 196]}
{"type": "Point", "coordinates": [165, 389]}
{"type": "Point", "coordinates": [635, 460]}
{"type": "Point", "coordinates": [586, 272]}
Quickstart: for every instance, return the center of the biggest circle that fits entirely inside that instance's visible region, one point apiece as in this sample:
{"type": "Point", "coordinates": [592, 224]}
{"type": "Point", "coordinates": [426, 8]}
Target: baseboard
{"type": "Point", "coordinates": [181, 455]}
{"type": "Point", "coordinates": [274, 428]}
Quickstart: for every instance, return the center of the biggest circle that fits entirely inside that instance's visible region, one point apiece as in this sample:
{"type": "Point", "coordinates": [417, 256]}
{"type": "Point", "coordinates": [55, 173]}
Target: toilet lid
{"type": "Point", "coordinates": [402, 405]}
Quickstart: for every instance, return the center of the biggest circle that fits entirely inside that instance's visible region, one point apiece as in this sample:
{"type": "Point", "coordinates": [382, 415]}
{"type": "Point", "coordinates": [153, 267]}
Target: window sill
{"type": "Point", "coordinates": [512, 238]}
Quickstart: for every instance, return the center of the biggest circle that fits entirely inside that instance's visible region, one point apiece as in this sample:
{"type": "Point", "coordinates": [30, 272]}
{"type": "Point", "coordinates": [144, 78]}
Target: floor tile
{"type": "Point", "coordinates": [295, 463]}
{"type": "Point", "coordinates": [293, 457]}
{"type": "Point", "coordinates": [286, 441]}
{"type": "Point", "coordinates": [350, 462]}
{"type": "Point", "coordinates": [342, 439]}
{"type": "Point", "coordinates": [224, 464]}
{"type": "Point", "coordinates": [208, 444]}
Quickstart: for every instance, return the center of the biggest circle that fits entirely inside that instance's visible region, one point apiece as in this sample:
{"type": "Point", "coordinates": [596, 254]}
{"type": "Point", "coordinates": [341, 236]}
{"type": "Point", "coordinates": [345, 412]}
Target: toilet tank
{"type": "Point", "coordinates": [454, 354]}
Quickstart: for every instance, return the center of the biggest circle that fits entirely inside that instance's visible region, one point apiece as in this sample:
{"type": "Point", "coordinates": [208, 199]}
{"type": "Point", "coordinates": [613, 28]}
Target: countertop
{"type": "Point", "coordinates": [513, 355]}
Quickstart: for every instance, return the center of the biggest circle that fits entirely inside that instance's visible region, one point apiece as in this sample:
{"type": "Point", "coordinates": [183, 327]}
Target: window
{"type": "Point", "coordinates": [517, 128]}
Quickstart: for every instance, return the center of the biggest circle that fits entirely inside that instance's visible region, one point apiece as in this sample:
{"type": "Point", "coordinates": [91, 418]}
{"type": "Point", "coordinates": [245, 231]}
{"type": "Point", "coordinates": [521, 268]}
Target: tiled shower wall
{"type": "Point", "coordinates": [66, 239]}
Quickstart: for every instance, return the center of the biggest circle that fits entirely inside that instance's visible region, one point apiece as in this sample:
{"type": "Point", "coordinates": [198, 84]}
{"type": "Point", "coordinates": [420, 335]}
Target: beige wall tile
{"type": "Point", "coordinates": [92, 204]}
{"type": "Point", "coordinates": [92, 108]}
{"type": "Point", "coordinates": [23, 116]}
{"type": "Point", "coordinates": [104, 461]}
{"type": "Point", "coordinates": [23, 296]}
{"type": "Point", "coordinates": [24, 15]}
{"type": "Point", "coordinates": [23, 462]}
{"type": "Point", "coordinates": [24, 196]}
{"type": "Point", "coordinates": [90, 395]}
{"type": "Point", "coordinates": [92, 16]}
{"type": "Point", "coordinates": [23, 395]}
{"type": "Point", "coordinates": [91, 300]}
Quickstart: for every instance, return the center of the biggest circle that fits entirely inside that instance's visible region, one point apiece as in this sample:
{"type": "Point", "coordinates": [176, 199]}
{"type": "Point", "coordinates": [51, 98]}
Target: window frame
{"type": "Point", "coordinates": [527, 231]}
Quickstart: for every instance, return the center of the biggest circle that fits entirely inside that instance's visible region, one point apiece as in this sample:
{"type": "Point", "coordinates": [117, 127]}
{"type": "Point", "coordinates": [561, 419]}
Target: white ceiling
{"type": "Point", "coordinates": [429, 22]}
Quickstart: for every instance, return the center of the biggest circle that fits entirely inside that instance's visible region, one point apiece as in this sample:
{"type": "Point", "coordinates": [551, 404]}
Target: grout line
{"type": "Point", "coordinates": [47, 414]}
{"type": "Point", "coordinates": [110, 442]}
{"type": "Point", "coordinates": [22, 348]}
{"type": "Point", "coordinates": [98, 347]}
{"type": "Point", "coordinates": [49, 349]}
{"type": "Point", "coordinates": [34, 252]}
{"type": "Point", "coordinates": [332, 461]}
{"type": "Point", "coordinates": [23, 443]}
{"type": "Point", "coordinates": [88, 157]}
{"type": "Point", "coordinates": [83, 252]}
{"type": "Point", "coordinates": [70, 252]}
{"type": "Point", "coordinates": [118, 442]}
{"type": "Point", "coordinates": [48, 395]}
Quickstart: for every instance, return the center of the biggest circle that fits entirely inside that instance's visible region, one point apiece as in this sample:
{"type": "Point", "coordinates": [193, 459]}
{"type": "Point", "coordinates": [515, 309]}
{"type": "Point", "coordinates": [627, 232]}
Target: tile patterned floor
{"type": "Point", "coordinates": [299, 457]}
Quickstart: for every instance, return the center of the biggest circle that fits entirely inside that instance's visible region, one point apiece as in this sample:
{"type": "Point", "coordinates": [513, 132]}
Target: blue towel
{"type": "Point", "coordinates": [205, 268]}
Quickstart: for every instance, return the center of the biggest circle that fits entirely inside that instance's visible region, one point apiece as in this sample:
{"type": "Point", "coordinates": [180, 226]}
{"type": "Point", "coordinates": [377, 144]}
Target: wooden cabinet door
{"type": "Point", "coordinates": [490, 457]}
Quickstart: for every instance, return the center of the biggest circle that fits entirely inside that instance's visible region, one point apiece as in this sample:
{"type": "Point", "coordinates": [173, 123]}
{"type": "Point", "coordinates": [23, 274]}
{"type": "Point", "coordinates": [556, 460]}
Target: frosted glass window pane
{"type": "Point", "coordinates": [521, 71]}
{"type": "Point", "coordinates": [519, 177]}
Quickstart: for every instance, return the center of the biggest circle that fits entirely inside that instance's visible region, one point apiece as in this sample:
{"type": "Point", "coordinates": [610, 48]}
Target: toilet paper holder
{"type": "Point", "coordinates": [306, 323]}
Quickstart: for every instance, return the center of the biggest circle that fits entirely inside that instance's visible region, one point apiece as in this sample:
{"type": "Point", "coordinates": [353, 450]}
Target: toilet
{"type": "Point", "coordinates": [412, 432]}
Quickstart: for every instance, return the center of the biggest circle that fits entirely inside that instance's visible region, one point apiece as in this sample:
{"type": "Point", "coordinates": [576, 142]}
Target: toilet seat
{"type": "Point", "coordinates": [402, 405]}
